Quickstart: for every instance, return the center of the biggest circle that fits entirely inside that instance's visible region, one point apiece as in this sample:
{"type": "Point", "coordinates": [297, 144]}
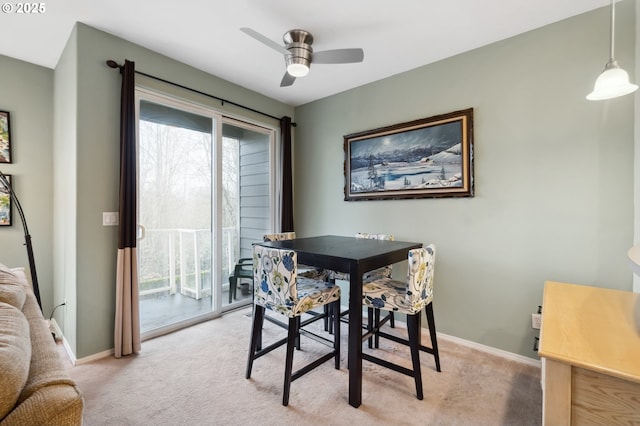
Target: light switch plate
{"type": "Point", "coordinates": [110, 218]}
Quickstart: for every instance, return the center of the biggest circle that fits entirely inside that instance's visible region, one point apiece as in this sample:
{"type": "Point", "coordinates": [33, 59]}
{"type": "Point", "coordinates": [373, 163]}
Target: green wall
{"type": "Point", "coordinates": [553, 174]}
{"type": "Point", "coordinates": [95, 173]}
{"type": "Point", "coordinates": [65, 117]}
{"type": "Point", "coordinates": [26, 92]}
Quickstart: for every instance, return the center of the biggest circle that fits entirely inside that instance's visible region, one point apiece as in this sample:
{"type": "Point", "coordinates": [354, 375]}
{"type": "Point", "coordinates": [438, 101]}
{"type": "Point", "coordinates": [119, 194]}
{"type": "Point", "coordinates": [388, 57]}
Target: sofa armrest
{"type": "Point", "coordinates": [57, 405]}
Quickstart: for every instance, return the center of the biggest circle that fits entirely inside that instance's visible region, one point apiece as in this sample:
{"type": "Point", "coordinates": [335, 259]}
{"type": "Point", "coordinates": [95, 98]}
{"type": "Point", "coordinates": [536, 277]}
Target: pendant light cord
{"type": "Point", "coordinates": [613, 30]}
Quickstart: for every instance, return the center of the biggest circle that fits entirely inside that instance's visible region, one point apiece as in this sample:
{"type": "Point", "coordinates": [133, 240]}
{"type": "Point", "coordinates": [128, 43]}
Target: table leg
{"type": "Point", "coordinates": [355, 337]}
{"type": "Point", "coordinates": [556, 393]}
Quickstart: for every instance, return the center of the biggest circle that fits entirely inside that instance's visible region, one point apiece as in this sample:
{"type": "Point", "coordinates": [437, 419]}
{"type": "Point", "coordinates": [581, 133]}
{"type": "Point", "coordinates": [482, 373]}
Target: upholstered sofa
{"type": "Point", "coordinates": [35, 388]}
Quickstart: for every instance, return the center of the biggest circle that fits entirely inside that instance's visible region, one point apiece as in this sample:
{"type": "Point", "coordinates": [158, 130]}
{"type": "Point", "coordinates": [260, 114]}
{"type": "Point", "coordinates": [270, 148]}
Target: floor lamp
{"type": "Point", "coordinates": [27, 238]}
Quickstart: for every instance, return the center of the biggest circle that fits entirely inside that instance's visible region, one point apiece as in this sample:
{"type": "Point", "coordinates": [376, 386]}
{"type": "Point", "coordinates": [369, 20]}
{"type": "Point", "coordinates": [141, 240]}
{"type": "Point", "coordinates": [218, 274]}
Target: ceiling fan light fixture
{"type": "Point", "coordinates": [297, 69]}
{"type": "Point", "coordinates": [613, 81]}
{"type": "Point", "coordinates": [298, 53]}
{"type": "Point", "coordinates": [298, 59]}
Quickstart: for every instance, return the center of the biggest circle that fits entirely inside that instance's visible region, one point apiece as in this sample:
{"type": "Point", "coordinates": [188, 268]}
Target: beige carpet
{"type": "Point", "coordinates": [196, 377]}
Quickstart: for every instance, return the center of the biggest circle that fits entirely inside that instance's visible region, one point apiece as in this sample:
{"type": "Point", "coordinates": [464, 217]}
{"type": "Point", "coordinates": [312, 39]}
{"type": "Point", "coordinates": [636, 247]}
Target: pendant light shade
{"type": "Point", "coordinates": [614, 81]}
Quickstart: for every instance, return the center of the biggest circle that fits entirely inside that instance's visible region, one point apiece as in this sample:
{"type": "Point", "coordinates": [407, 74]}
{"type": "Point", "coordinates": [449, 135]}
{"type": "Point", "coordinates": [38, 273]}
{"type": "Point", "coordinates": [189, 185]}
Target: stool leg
{"type": "Point", "coordinates": [328, 324]}
{"type": "Point", "coordinates": [377, 325]}
{"type": "Point", "coordinates": [370, 325]}
{"type": "Point", "coordinates": [413, 329]}
{"type": "Point", "coordinates": [327, 317]}
{"type": "Point", "coordinates": [256, 332]}
{"type": "Point", "coordinates": [261, 325]}
{"type": "Point", "coordinates": [432, 332]}
{"type": "Point", "coordinates": [335, 309]}
{"type": "Point", "coordinates": [297, 319]}
{"type": "Point", "coordinates": [292, 334]}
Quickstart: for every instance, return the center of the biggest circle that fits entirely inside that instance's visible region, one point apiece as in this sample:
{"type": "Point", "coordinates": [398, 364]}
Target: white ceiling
{"type": "Point", "coordinates": [396, 35]}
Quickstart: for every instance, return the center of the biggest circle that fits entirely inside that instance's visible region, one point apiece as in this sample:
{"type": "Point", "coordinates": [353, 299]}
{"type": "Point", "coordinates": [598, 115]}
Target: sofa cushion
{"type": "Point", "coordinates": [11, 287]}
{"type": "Point", "coordinates": [15, 356]}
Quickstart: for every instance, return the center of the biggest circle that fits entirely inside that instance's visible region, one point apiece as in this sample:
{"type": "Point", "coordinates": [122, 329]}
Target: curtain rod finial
{"type": "Point", "coordinates": [112, 64]}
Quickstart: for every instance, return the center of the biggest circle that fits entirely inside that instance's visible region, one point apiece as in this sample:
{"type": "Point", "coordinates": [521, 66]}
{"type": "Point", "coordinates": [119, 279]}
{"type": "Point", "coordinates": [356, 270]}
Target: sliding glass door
{"type": "Point", "coordinates": [205, 191]}
{"type": "Point", "coordinates": [247, 198]}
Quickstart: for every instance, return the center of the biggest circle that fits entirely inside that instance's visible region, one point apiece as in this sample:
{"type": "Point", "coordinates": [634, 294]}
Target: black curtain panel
{"type": "Point", "coordinates": [127, 320]}
{"type": "Point", "coordinates": [287, 176]}
{"type": "Point", "coordinates": [128, 214]}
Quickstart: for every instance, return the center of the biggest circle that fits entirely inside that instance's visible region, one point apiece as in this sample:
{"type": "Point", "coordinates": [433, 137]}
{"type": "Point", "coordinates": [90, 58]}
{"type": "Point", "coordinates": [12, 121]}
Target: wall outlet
{"type": "Point", "coordinates": [536, 320]}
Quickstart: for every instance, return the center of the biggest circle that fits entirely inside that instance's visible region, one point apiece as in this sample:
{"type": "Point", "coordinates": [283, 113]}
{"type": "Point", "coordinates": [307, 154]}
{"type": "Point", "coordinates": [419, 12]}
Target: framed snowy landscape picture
{"type": "Point", "coordinates": [426, 158]}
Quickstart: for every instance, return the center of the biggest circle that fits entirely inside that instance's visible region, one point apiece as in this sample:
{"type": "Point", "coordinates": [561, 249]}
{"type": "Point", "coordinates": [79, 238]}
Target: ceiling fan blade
{"type": "Point", "coordinates": [287, 80]}
{"type": "Point", "coordinates": [265, 40]}
{"type": "Point", "coordinates": [338, 56]}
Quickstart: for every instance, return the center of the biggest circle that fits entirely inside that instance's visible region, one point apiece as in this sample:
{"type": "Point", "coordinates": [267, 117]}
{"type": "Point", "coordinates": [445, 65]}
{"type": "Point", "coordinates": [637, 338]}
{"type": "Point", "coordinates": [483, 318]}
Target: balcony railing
{"type": "Point", "coordinates": [173, 260]}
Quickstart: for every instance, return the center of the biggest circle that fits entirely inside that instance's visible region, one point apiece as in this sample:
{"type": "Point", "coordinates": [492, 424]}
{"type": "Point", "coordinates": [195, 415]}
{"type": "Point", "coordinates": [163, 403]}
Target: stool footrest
{"type": "Point", "coordinates": [269, 348]}
{"type": "Point", "coordinates": [304, 370]}
{"type": "Point", "coordinates": [402, 341]}
{"type": "Point", "coordinates": [387, 364]}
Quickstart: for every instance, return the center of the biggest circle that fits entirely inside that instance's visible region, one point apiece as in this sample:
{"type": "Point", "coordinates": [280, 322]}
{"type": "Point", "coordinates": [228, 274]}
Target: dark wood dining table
{"type": "Point", "coordinates": [355, 256]}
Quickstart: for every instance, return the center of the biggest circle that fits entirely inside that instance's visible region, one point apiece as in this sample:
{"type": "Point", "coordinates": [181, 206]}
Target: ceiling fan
{"type": "Point", "coordinates": [299, 55]}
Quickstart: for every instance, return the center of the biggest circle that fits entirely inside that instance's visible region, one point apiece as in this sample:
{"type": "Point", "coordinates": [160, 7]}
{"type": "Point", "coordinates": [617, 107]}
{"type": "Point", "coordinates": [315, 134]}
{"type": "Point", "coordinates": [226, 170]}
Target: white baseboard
{"type": "Point", "coordinates": [478, 346]}
{"type": "Point", "coordinates": [488, 349]}
{"type": "Point", "coordinates": [55, 328]}
{"type": "Point", "coordinates": [473, 345]}
{"type": "Point", "coordinates": [94, 357]}
{"type": "Point", "coordinates": [70, 353]}
{"type": "Point", "coordinates": [57, 331]}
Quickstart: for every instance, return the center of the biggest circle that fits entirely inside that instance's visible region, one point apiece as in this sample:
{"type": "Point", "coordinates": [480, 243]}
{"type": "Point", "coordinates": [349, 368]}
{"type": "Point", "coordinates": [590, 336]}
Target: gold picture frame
{"type": "Point", "coordinates": [427, 158]}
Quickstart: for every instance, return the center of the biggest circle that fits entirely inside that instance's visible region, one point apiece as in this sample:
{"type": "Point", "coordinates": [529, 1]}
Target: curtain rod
{"type": "Point", "coordinates": [113, 64]}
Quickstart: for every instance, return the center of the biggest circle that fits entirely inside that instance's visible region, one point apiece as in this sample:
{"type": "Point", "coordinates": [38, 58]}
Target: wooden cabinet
{"type": "Point", "coordinates": [590, 350]}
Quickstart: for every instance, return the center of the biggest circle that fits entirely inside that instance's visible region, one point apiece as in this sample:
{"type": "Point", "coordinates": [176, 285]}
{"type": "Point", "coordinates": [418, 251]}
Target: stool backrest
{"type": "Point", "coordinates": [420, 276]}
{"type": "Point", "coordinates": [385, 271]}
{"type": "Point", "coordinates": [281, 236]}
{"type": "Point", "coordinates": [275, 277]}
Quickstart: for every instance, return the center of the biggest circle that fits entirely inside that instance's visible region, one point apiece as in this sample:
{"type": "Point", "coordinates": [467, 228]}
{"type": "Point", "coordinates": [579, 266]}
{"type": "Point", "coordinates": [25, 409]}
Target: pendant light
{"type": "Point", "coordinates": [614, 81]}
